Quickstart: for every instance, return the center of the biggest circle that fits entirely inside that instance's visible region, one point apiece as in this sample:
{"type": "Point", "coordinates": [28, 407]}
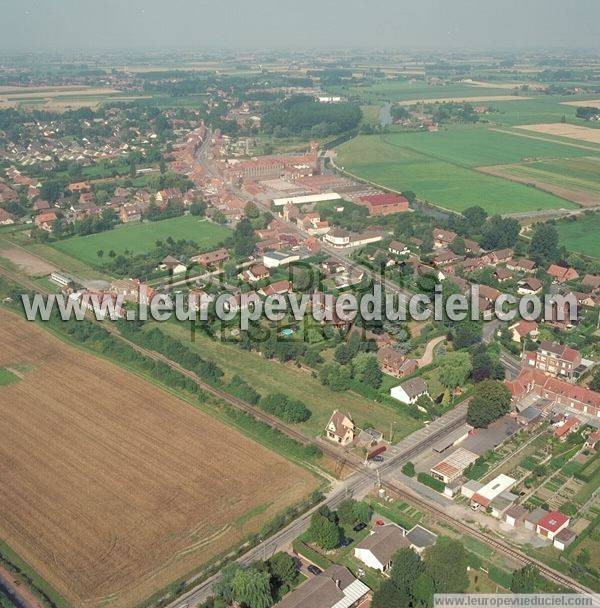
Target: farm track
{"type": "Point", "coordinates": [353, 462]}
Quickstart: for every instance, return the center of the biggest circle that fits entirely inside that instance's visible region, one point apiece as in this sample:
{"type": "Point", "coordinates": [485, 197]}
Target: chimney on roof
{"type": "Point", "coordinates": [338, 583]}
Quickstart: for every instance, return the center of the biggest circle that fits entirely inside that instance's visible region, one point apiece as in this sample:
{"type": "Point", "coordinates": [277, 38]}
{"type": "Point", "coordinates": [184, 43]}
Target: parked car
{"type": "Point", "coordinates": [359, 527]}
{"type": "Point", "coordinates": [314, 570]}
{"type": "Point", "coordinates": [377, 459]}
{"type": "Point", "coordinates": [347, 542]}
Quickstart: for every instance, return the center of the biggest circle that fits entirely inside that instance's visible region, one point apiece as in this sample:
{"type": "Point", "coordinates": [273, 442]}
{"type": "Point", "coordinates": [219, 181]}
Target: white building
{"type": "Point", "coordinates": [409, 391]}
{"type": "Point", "coordinates": [487, 493]}
{"type": "Point", "coordinates": [274, 259]}
{"type": "Point", "coordinates": [307, 199]}
{"type": "Point", "coordinates": [378, 549]}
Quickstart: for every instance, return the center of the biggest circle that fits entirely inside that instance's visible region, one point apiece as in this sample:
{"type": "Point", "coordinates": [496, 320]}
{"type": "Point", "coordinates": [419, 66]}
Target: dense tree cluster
{"type": "Point", "coordinates": [302, 115]}
{"type": "Point", "coordinates": [414, 580]}
{"type": "Point", "coordinates": [490, 401]}
{"type": "Point", "coordinates": [289, 410]}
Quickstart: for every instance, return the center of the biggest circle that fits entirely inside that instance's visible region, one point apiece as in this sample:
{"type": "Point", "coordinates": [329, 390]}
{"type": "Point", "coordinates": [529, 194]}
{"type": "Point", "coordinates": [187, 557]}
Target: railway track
{"type": "Point", "coordinates": [349, 460]}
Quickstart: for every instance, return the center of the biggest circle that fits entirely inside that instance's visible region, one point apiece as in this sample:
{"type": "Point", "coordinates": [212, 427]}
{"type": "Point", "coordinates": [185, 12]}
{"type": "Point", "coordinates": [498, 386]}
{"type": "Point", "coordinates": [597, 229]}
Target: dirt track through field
{"type": "Point", "coordinates": [112, 487]}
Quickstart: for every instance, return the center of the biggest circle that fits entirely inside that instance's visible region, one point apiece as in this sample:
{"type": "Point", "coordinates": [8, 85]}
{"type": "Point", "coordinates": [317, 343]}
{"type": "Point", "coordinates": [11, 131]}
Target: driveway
{"type": "Point", "coordinates": [427, 357]}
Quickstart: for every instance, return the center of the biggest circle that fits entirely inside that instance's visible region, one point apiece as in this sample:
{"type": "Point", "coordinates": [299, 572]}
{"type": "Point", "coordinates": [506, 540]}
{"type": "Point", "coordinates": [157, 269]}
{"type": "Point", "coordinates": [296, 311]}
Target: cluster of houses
{"type": "Point", "coordinates": [336, 587]}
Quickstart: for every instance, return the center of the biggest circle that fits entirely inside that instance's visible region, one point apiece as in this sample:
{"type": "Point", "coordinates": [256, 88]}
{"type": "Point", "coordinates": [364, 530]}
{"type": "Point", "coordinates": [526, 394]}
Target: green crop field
{"type": "Point", "coordinates": [270, 376]}
{"type": "Point", "coordinates": [385, 161]}
{"type": "Point", "coordinates": [581, 235]}
{"type": "Point", "coordinates": [476, 146]}
{"type": "Point", "coordinates": [403, 90]}
{"type": "Point", "coordinates": [141, 237]}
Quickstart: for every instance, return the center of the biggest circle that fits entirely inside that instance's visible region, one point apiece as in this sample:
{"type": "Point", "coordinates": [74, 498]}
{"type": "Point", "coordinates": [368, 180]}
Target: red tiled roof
{"type": "Point", "coordinates": [553, 521]}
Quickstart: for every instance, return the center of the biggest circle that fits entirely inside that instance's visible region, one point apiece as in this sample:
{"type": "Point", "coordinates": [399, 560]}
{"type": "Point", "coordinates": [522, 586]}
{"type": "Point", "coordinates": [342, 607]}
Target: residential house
{"type": "Point", "coordinates": [409, 391]}
{"type": "Point", "coordinates": [6, 218]}
{"type": "Point", "coordinates": [529, 415]}
{"type": "Point", "coordinates": [394, 363]}
{"type": "Point", "coordinates": [377, 550]}
{"type": "Point", "coordinates": [398, 248]}
{"type": "Point", "coordinates": [172, 264]}
{"type": "Point", "coordinates": [554, 359]}
{"type": "Point", "coordinates": [528, 287]}
{"type": "Point", "coordinates": [212, 258]}
{"type": "Point", "coordinates": [502, 274]}
{"type": "Point", "coordinates": [169, 195]}
{"type": "Point", "coordinates": [592, 440]}
{"type": "Point", "coordinates": [521, 265]}
{"type": "Point", "coordinates": [558, 392]}
{"type": "Point", "coordinates": [79, 187]}
{"type": "Point", "coordinates": [256, 273]}
{"type": "Point", "coordinates": [341, 428]}
{"type": "Point", "coordinates": [588, 300]}
{"type": "Point", "coordinates": [443, 238]}
{"type": "Point", "coordinates": [41, 205]}
{"type": "Point", "coordinates": [45, 221]}
{"type": "Point", "coordinates": [335, 587]}
{"type": "Point", "coordinates": [501, 256]}
{"type": "Point", "coordinates": [278, 288]}
{"type": "Point", "coordinates": [524, 328]}
{"type": "Point", "coordinates": [568, 426]}
{"type": "Point", "coordinates": [445, 258]}
{"type": "Point", "coordinates": [130, 212]}
{"type": "Point", "coordinates": [472, 247]}
{"type": "Point", "coordinates": [592, 282]}
{"type": "Point", "coordinates": [560, 274]}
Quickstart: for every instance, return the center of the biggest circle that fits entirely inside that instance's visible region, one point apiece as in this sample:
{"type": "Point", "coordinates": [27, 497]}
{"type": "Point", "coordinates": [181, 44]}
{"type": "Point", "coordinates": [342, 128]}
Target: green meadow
{"type": "Point", "coordinates": [141, 237]}
{"type": "Point", "coordinates": [581, 235]}
{"type": "Point", "coordinates": [394, 161]}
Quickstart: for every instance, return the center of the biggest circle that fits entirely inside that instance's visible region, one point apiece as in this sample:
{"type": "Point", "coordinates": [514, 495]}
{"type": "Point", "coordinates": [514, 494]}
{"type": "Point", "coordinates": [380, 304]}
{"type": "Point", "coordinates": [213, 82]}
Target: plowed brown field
{"type": "Point", "coordinates": [110, 487]}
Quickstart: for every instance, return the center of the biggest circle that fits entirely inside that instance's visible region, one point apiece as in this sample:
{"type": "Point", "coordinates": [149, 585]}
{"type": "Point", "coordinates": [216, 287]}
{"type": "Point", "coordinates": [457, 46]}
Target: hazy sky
{"type": "Point", "coordinates": [68, 24]}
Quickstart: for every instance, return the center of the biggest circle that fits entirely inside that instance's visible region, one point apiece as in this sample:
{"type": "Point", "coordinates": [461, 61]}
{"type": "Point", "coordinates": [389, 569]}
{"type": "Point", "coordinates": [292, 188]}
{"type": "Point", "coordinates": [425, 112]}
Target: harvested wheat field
{"type": "Point", "coordinates": [112, 488]}
{"type": "Point", "coordinates": [565, 130]}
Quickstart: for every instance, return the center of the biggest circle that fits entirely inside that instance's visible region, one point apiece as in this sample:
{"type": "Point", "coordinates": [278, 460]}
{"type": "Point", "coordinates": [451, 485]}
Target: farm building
{"type": "Point", "coordinates": [378, 549]}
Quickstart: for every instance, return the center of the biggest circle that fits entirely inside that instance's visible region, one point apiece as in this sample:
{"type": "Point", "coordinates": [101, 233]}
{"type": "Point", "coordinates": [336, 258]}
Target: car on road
{"type": "Point", "coordinates": [377, 459]}
{"type": "Point", "coordinates": [314, 570]}
{"type": "Point", "coordinates": [359, 527]}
